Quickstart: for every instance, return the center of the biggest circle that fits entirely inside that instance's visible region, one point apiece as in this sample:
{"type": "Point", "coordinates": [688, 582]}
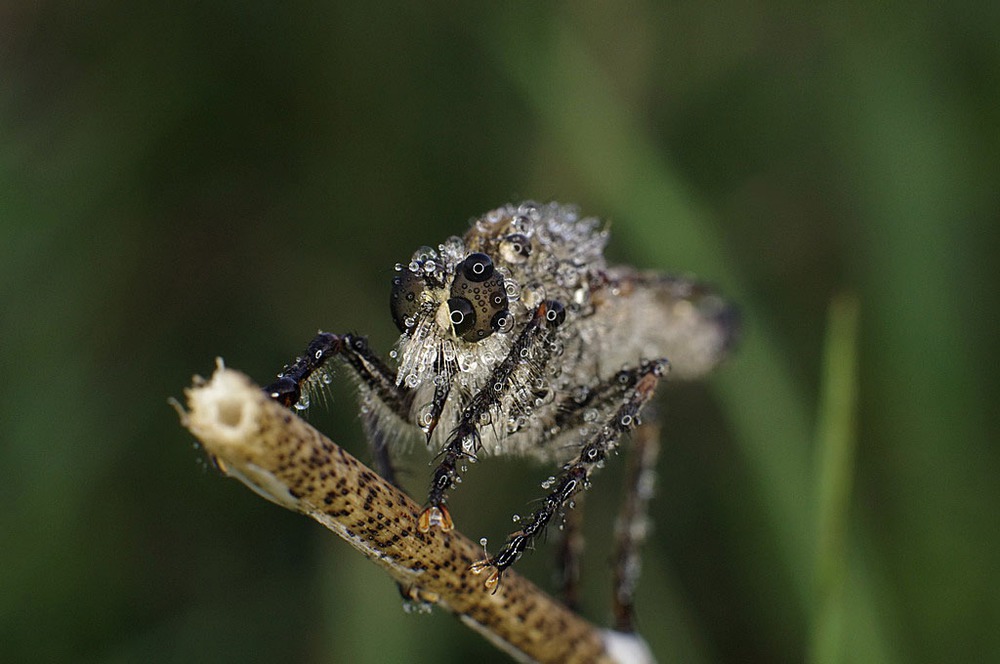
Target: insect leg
{"type": "Point", "coordinates": [631, 528]}
{"type": "Point", "coordinates": [571, 413]}
{"type": "Point", "coordinates": [569, 553]}
{"type": "Point", "coordinates": [371, 372]}
{"type": "Point", "coordinates": [464, 440]}
{"type": "Point", "coordinates": [575, 474]}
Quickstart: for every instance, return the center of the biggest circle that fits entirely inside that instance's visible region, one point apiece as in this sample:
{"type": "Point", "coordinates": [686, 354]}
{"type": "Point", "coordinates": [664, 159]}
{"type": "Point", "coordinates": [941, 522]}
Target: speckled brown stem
{"type": "Point", "coordinates": [284, 459]}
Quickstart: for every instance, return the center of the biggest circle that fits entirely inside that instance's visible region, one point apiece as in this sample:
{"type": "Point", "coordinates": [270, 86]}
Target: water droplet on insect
{"type": "Point", "coordinates": [516, 518]}
{"type": "Point", "coordinates": [523, 225]}
{"type": "Point", "coordinates": [425, 416]}
{"type": "Point", "coordinates": [529, 209]}
{"type": "Point", "coordinates": [423, 254]}
{"type": "Point", "coordinates": [467, 362]}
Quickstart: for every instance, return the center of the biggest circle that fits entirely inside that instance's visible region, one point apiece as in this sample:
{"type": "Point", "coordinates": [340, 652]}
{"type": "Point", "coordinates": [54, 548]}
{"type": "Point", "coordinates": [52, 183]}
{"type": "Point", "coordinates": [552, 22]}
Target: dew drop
{"type": "Point", "coordinates": [467, 362]}
{"type": "Point", "coordinates": [523, 225]}
{"type": "Point", "coordinates": [423, 254]}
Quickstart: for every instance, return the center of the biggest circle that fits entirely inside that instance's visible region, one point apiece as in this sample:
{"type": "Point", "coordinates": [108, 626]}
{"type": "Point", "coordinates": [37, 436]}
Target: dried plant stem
{"type": "Point", "coordinates": [284, 459]}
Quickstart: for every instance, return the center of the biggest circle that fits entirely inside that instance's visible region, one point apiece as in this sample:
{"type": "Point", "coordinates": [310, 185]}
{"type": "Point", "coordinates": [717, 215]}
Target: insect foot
{"type": "Point", "coordinates": [493, 580]}
{"type": "Point", "coordinates": [435, 516]}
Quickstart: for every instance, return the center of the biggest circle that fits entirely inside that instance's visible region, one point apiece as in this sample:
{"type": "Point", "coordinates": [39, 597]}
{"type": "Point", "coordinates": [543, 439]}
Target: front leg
{"type": "Point", "coordinates": [302, 375]}
{"type": "Point", "coordinates": [464, 440]}
{"type": "Point", "coordinates": [575, 475]}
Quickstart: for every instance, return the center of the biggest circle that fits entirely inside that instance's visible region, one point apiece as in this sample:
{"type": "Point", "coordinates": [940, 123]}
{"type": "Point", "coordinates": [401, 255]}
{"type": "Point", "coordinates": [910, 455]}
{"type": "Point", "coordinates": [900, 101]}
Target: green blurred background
{"type": "Point", "coordinates": [185, 180]}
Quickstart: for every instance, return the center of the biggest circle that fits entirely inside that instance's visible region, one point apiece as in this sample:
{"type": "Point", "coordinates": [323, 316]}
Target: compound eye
{"type": "Point", "coordinates": [515, 248]}
{"type": "Point", "coordinates": [404, 301]}
{"type": "Point", "coordinates": [481, 287]}
{"type": "Point", "coordinates": [476, 267]}
{"type": "Point", "coordinates": [462, 316]}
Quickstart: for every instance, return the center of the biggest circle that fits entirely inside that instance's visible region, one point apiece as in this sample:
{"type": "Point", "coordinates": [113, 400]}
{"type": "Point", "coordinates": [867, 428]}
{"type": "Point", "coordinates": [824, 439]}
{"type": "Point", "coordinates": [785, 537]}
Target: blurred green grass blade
{"type": "Point", "coordinates": [837, 441]}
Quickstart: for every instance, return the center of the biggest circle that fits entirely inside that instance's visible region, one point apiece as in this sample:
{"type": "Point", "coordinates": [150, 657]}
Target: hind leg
{"type": "Point", "coordinates": [632, 526]}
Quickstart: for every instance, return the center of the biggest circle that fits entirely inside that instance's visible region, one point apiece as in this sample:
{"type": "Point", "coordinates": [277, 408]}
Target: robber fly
{"type": "Point", "coordinates": [519, 339]}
